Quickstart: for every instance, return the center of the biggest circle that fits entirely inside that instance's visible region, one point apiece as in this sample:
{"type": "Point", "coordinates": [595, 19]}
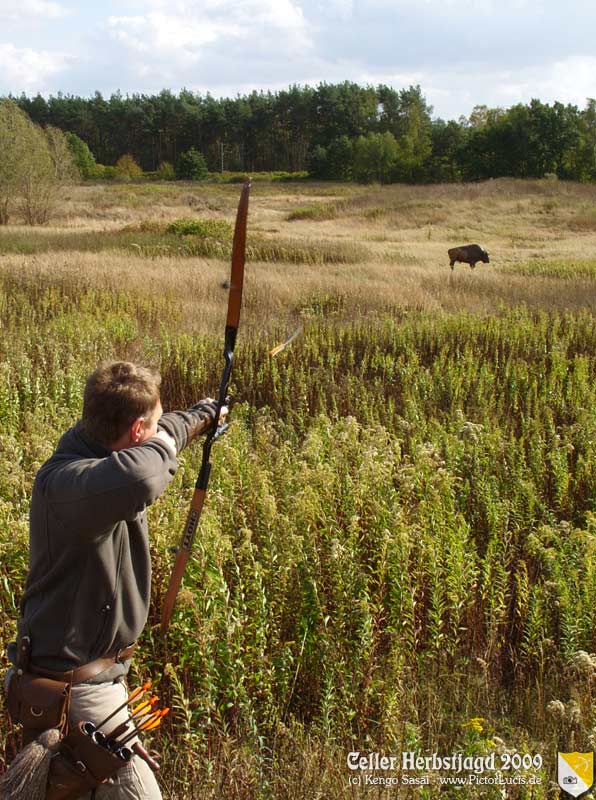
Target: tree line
{"type": "Point", "coordinates": [337, 131]}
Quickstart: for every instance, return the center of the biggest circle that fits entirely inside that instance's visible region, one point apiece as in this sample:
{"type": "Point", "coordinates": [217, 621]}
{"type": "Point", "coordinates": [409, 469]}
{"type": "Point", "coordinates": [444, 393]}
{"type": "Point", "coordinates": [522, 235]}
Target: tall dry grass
{"type": "Point", "coordinates": [384, 248]}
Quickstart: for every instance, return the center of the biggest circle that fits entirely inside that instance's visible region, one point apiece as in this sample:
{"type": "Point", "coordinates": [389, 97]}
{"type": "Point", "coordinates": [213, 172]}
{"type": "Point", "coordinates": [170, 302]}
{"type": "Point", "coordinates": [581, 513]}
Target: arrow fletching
{"type": "Point", "coordinates": [280, 347]}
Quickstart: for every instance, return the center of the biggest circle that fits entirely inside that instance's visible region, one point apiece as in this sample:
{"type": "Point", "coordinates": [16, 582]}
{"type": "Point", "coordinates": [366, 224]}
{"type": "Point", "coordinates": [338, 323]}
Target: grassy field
{"type": "Point", "coordinates": [399, 547]}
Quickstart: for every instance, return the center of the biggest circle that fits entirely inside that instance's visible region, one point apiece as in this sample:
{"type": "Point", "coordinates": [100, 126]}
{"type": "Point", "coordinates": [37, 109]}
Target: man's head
{"type": "Point", "coordinates": [121, 405]}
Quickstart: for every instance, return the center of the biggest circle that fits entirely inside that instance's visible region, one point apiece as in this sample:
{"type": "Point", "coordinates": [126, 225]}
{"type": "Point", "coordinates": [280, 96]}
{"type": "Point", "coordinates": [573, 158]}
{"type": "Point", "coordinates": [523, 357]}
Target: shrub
{"type": "Point", "coordinates": [192, 166]}
{"type": "Point", "coordinates": [165, 172]}
{"type": "Point", "coordinates": [203, 228]}
{"type": "Point", "coordinates": [256, 177]}
{"type": "Point", "coordinates": [127, 168]}
{"type": "Point", "coordinates": [104, 172]}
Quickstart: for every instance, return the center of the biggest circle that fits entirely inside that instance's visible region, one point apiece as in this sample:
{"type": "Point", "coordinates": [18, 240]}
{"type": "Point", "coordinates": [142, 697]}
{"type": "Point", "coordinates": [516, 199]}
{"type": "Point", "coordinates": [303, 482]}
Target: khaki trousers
{"type": "Point", "coordinates": [94, 702]}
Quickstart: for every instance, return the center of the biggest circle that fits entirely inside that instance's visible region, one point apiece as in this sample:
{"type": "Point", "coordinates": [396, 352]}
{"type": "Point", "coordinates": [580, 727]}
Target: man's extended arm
{"type": "Point", "coordinates": [92, 494]}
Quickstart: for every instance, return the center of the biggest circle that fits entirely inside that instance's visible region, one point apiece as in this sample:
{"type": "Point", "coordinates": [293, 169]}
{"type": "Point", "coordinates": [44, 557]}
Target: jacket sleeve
{"type": "Point", "coordinates": [178, 423]}
{"type": "Point", "coordinates": [93, 494]}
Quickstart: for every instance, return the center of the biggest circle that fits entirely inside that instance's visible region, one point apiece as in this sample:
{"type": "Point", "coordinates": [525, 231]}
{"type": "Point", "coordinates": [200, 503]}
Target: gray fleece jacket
{"type": "Point", "coordinates": [88, 589]}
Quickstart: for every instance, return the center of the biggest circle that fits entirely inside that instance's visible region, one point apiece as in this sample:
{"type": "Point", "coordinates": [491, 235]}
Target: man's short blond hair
{"type": "Point", "coordinates": [117, 393]}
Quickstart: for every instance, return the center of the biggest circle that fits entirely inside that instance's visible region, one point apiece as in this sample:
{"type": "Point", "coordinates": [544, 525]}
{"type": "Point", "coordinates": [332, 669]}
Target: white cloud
{"type": "Point", "coordinates": [458, 89]}
{"type": "Point", "coordinates": [465, 7]}
{"type": "Point", "coordinates": [161, 34]}
{"type": "Point", "coordinates": [30, 8]}
{"type": "Point", "coordinates": [397, 79]}
{"type": "Point", "coordinates": [342, 10]}
{"type": "Point", "coordinates": [26, 69]}
{"type": "Point", "coordinates": [181, 32]}
{"type": "Point", "coordinates": [573, 80]}
{"type": "Point", "coordinates": [570, 80]}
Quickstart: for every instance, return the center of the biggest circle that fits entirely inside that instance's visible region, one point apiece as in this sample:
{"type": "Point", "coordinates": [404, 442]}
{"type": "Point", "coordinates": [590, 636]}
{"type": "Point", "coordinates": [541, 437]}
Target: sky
{"type": "Point", "coordinates": [461, 52]}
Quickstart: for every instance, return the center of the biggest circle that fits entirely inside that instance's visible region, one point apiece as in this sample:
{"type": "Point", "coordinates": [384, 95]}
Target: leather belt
{"type": "Point", "coordinates": [87, 671]}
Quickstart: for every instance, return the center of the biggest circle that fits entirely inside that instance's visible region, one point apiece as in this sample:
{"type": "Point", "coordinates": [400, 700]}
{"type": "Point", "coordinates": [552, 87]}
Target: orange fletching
{"type": "Point", "coordinates": [147, 704]}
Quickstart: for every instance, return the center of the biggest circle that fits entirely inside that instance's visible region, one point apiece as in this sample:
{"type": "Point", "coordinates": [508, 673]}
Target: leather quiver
{"type": "Point", "coordinates": [37, 703]}
{"type": "Point", "coordinates": [79, 766]}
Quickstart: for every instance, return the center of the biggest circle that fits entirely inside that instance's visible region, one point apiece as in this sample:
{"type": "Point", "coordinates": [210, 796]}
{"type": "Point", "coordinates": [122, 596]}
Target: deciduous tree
{"type": "Point", "coordinates": [83, 157]}
{"type": "Point", "coordinates": [15, 133]}
{"type": "Point", "coordinates": [34, 166]}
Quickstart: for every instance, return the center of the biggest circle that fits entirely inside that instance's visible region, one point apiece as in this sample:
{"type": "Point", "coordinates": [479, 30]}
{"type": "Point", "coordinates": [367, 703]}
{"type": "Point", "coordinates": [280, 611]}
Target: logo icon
{"type": "Point", "coordinates": [575, 772]}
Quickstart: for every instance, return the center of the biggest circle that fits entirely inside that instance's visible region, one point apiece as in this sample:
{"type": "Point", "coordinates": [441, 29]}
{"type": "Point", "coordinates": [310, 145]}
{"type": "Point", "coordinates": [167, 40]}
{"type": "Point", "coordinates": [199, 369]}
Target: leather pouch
{"type": "Point", "coordinates": [66, 781]}
{"type": "Point", "coordinates": [37, 703]}
{"type": "Point", "coordinates": [80, 766]}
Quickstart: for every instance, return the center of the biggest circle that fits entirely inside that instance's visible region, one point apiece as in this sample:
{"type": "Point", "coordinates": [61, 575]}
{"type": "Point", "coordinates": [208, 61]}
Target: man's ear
{"type": "Point", "coordinates": [136, 429]}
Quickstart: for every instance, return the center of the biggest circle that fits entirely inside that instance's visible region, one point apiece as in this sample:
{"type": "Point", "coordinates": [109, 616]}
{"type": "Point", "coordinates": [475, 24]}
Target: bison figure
{"type": "Point", "coordinates": [467, 254]}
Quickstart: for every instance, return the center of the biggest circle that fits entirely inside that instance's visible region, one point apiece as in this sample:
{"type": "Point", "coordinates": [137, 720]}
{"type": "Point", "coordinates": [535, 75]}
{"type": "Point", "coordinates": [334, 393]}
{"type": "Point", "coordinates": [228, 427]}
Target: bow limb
{"type": "Point", "coordinates": [232, 322]}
